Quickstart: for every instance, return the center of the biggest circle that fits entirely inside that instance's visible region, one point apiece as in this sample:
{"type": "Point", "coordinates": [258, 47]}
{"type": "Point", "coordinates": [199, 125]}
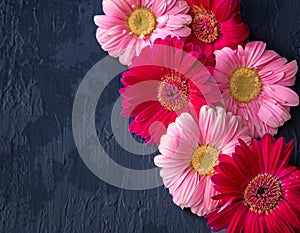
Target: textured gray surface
{"type": "Point", "coordinates": [46, 48]}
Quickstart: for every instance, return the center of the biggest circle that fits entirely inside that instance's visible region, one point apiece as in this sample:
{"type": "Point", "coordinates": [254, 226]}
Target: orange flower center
{"type": "Point", "coordinates": [245, 85]}
{"type": "Point", "coordinates": [141, 21]}
{"type": "Point", "coordinates": [263, 193]}
{"type": "Point", "coordinates": [204, 159]}
{"type": "Point", "coordinates": [205, 26]}
{"type": "Point", "coordinates": [173, 92]}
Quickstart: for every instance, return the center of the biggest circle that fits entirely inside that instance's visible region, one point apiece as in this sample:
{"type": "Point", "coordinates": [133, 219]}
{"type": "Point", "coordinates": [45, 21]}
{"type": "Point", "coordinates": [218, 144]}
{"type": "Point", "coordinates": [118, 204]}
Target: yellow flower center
{"type": "Point", "coordinates": [173, 92]}
{"type": "Point", "coordinates": [204, 159]}
{"type": "Point", "coordinates": [141, 21]}
{"type": "Point", "coordinates": [245, 85]}
{"type": "Point", "coordinates": [205, 26]}
{"type": "Point", "coordinates": [263, 193]}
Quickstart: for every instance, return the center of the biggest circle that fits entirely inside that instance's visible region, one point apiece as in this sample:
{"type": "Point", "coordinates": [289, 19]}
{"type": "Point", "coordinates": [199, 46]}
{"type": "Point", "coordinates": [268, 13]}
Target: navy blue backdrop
{"type": "Point", "coordinates": [46, 47]}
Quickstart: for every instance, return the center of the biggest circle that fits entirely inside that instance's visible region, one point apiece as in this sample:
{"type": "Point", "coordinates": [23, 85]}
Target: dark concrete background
{"type": "Point", "coordinates": [46, 47]}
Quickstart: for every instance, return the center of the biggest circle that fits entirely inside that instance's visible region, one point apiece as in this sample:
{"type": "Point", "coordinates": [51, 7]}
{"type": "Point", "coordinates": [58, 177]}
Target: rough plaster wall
{"type": "Point", "coordinates": [46, 47]}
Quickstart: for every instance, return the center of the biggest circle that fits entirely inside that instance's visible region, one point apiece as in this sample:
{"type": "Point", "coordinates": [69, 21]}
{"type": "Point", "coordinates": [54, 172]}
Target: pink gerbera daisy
{"type": "Point", "coordinates": [258, 188]}
{"type": "Point", "coordinates": [217, 24]}
{"type": "Point", "coordinates": [190, 151]}
{"type": "Point", "coordinates": [164, 81]}
{"type": "Point", "coordinates": [130, 25]}
{"type": "Point", "coordinates": [253, 81]}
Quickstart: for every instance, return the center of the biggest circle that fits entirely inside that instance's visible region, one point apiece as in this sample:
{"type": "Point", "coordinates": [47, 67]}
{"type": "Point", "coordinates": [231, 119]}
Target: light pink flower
{"type": "Point", "coordinates": [254, 82]}
{"type": "Point", "coordinates": [190, 151]}
{"type": "Point", "coordinates": [130, 25]}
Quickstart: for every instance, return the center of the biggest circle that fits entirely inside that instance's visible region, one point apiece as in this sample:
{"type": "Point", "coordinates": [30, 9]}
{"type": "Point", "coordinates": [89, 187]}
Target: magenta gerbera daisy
{"type": "Point", "coordinates": [258, 188]}
{"type": "Point", "coordinates": [190, 151]}
{"type": "Point", "coordinates": [130, 25]}
{"type": "Point", "coordinates": [167, 79]}
{"type": "Point", "coordinates": [217, 24]}
{"type": "Point", "coordinates": [254, 83]}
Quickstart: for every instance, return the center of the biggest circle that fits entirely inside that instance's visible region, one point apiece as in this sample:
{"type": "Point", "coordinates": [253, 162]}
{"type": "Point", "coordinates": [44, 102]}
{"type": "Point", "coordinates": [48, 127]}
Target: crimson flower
{"type": "Point", "coordinates": [258, 189]}
{"type": "Point", "coordinates": [217, 24]}
{"type": "Point", "coordinates": [165, 80]}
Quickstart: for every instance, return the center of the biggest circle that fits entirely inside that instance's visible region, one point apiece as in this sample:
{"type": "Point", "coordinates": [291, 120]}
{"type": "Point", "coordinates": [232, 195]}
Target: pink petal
{"type": "Point", "coordinates": [283, 95]}
{"type": "Point", "coordinates": [253, 52]}
{"type": "Point", "coordinates": [272, 114]}
{"type": "Point", "coordinates": [116, 8]}
{"type": "Point", "coordinates": [159, 7]}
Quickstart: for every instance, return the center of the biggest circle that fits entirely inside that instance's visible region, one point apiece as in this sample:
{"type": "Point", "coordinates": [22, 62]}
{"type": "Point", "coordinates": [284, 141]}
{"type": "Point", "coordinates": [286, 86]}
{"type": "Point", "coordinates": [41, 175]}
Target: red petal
{"type": "Point", "coordinates": [226, 184]}
{"type": "Point", "coordinates": [206, 4]}
{"type": "Point", "coordinates": [292, 181]}
{"type": "Point", "coordinates": [226, 195]}
{"type": "Point", "coordinates": [242, 164]}
{"type": "Point", "coordinates": [276, 224]}
{"type": "Point", "coordinates": [224, 10]}
{"type": "Point", "coordinates": [267, 143]}
{"type": "Point", "coordinates": [290, 215]}
{"type": "Point", "coordinates": [286, 172]}
{"type": "Point", "coordinates": [292, 198]}
{"type": "Point", "coordinates": [277, 154]}
{"type": "Point", "coordinates": [238, 222]}
{"type": "Point", "coordinates": [147, 112]}
{"type": "Point", "coordinates": [256, 148]}
{"type": "Point", "coordinates": [288, 150]}
{"type": "Point", "coordinates": [219, 221]}
{"type": "Point", "coordinates": [225, 158]}
{"type": "Point", "coordinates": [255, 223]}
{"type": "Point", "coordinates": [234, 32]}
{"type": "Point", "coordinates": [231, 171]}
{"type": "Point", "coordinates": [247, 155]}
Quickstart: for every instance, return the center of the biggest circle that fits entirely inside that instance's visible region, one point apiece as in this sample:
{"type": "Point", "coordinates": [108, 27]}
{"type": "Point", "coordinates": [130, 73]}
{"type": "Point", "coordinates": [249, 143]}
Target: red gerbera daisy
{"type": "Point", "coordinates": [165, 80]}
{"type": "Point", "coordinates": [217, 24]}
{"type": "Point", "coordinates": [259, 190]}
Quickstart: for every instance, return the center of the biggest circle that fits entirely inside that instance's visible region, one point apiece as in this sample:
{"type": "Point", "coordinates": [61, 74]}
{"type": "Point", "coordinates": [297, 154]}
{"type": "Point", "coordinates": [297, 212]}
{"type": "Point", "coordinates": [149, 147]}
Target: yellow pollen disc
{"type": "Point", "coordinates": [141, 22]}
{"type": "Point", "coordinates": [205, 26]}
{"type": "Point", "coordinates": [173, 92]}
{"type": "Point", "coordinates": [204, 159]}
{"type": "Point", "coordinates": [245, 85]}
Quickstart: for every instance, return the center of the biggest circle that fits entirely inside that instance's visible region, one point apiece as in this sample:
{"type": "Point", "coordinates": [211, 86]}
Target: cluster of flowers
{"type": "Point", "coordinates": [204, 95]}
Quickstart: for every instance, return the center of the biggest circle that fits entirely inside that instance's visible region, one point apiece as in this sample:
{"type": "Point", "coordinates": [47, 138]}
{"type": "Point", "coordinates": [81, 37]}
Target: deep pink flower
{"type": "Point", "coordinates": [258, 189]}
{"type": "Point", "coordinates": [165, 80]}
{"type": "Point", "coordinates": [189, 152]}
{"type": "Point", "coordinates": [254, 83]}
{"type": "Point", "coordinates": [217, 24]}
{"type": "Point", "coordinates": [130, 25]}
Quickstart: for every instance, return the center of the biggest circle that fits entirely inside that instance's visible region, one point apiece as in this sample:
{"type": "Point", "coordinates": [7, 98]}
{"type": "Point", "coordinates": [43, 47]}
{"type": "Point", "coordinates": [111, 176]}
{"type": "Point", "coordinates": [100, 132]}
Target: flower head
{"type": "Point", "coordinates": [167, 79]}
{"type": "Point", "coordinates": [258, 189]}
{"type": "Point", "coordinates": [217, 24]}
{"type": "Point", "coordinates": [129, 25]}
{"type": "Point", "coordinates": [254, 83]}
{"type": "Point", "coordinates": [190, 151]}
